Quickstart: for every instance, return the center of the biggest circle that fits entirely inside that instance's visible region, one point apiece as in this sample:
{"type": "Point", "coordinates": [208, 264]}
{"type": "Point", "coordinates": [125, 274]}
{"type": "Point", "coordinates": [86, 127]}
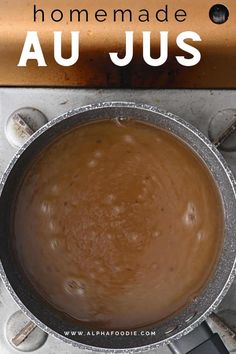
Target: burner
{"type": "Point", "coordinates": [24, 335]}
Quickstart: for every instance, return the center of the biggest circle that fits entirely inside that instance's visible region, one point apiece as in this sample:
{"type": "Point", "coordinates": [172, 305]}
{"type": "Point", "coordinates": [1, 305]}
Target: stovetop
{"type": "Point", "coordinates": [211, 111]}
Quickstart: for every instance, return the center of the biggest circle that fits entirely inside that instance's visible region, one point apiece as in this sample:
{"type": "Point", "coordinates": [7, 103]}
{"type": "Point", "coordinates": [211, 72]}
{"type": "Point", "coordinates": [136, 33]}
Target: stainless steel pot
{"type": "Point", "coordinates": [170, 329]}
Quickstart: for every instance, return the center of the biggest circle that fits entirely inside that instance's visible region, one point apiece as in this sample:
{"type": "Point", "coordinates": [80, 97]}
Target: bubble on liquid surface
{"type": "Point", "coordinates": [74, 287]}
{"type": "Point", "coordinates": [117, 210]}
{"type": "Point", "coordinates": [201, 235]}
{"type": "Point", "coordinates": [53, 227]}
{"type": "Point", "coordinates": [55, 189]}
{"type": "Point", "coordinates": [98, 154]}
{"type": "Point", "coordinates": [129, 139]}
{"type": "Point", "coordinates": [101, 269]}
{"type": "Point", "coordinates": [92, 163]}
{"type": "Point", "coordinates": [156, 234]}
{"type": "Point", "coordinates": [190, 216]}
{"type": "Point", "coordinates": [45, 207]}
{"type": "Point", "coordinates": [154, 266]}
{"type": "Point", "coordinates": [55, 243]}
{"type": "Point", "coordinates": [145, 181]}
{"type": "Point", "coordinates": [133, 237]}
{"type": "Point", "coordinates": [140, 197]}
{"type": "Point", "coordinates": [109, 199]}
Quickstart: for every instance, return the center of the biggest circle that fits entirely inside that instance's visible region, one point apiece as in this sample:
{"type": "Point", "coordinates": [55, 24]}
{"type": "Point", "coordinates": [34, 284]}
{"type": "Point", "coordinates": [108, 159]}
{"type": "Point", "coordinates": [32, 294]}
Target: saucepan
{"type": "Point", "coordinates": [142, 339]}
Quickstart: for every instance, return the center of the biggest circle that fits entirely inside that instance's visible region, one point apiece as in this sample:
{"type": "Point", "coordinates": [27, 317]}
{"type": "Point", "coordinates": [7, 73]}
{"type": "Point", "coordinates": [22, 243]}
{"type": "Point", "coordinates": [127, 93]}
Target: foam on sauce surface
{"type": "Point", "coordinates": [118, 225]}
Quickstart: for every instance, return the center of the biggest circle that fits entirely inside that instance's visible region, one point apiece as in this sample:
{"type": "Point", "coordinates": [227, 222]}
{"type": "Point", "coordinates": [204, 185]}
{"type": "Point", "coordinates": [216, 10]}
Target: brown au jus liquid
{"type": "Point", "coordinates": [118, 226]}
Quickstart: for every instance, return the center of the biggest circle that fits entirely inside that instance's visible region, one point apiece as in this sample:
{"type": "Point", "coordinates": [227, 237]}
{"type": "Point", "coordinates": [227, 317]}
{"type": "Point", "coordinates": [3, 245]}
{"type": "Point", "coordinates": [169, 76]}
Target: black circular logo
{"type": "Point", "coordinates": [219, 14]}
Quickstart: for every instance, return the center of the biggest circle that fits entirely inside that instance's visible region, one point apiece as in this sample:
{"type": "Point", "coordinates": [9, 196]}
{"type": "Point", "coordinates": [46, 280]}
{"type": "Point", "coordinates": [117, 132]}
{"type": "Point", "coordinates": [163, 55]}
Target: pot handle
{"type": "Point", "coordinates": [200, 341]}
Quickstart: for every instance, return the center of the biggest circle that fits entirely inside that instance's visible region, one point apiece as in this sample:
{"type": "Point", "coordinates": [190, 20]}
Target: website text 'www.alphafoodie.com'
{"type": "Point", "coordinates": [110, 333]}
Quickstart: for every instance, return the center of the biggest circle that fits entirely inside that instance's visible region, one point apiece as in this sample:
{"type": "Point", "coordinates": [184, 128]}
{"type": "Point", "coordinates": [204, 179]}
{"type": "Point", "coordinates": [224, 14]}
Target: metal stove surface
{"type": "Point", "coordinates": [195, 106]}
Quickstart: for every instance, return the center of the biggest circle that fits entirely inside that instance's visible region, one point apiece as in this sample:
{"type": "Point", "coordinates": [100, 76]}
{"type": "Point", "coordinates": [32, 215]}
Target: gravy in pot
{"type": "Point", "coordinates": [118, 224]}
